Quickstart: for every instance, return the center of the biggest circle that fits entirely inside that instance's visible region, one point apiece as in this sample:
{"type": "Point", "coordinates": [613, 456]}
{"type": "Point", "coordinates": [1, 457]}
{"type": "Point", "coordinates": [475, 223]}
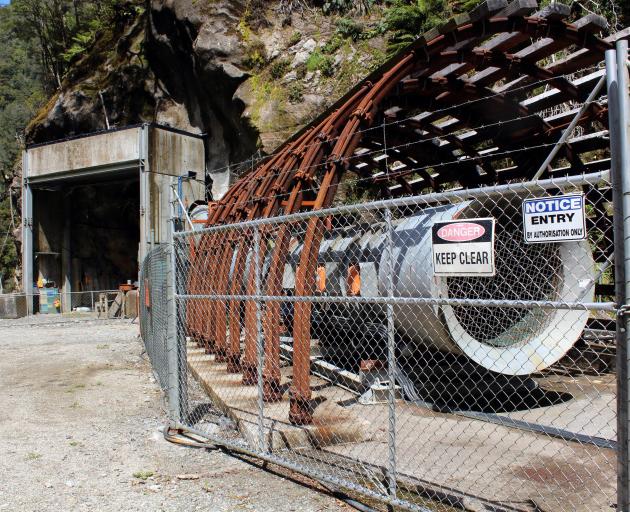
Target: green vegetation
{"type": "Point", "coordinates": [143, 475]}
{"type": "Point", "coordinates": [278, 68]}
{"type": "Point", "coordinates": [65, 29]}
{"type": "Point", "coordinates": [295, 92]}
{"type": "Point", "coordinates": [343, 6]}
{"type": "Point", "coordinates": [21, 93]}
{"type": "Point", "coordinates": [295, 38]}
{"type": "Point", "coordinates": [405, 20]}
{"type": "Point", "coordinates": [317, 61]}
{"type": "Point", "coordinates": [349, 28]}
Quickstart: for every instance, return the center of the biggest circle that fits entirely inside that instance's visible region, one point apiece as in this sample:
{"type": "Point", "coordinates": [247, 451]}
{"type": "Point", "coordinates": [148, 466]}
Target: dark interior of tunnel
{"type": "Point", "coordinates": [105, 234]}
{"type": "Point", "coordinates": [97, 224]}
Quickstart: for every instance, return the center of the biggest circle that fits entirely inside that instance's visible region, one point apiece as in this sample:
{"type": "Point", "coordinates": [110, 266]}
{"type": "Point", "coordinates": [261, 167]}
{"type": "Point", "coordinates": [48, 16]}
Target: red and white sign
{"type": "Point", "coordinates": [461, 231]}
{"type": "Point", "coordinates": [463, 247]}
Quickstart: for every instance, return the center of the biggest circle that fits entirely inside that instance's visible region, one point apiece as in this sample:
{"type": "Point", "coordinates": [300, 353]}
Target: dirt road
{"type": "Point", "coordinates": [80, 431]}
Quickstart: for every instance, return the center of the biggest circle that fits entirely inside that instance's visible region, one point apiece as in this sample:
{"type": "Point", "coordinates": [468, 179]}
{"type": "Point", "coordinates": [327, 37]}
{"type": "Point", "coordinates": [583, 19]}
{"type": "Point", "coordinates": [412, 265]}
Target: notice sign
{"type": "Point", "coordinates": [554, 219]}
{"type": "Point", "coordinates": [463, 247]}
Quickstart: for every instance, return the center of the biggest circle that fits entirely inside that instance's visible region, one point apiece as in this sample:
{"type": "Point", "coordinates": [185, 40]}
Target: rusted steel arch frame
{"type": "Point", "coordinates": [325, 132]}
{"type": "Point", "coordinates": [260, 192]}
{"type": "Point", "coordinates": [289, 180]}
{"type": "Point", "coordinates": [203, 257]}
{"type": "Point", "coordinates": [197, 281]}
{"type": "Point", "coordinates": [300, 409]}
{"type": "Point", "coordinates": [234, 248]}
{"type": "Point", "coordinates": [280, 177]}
{"type": "Point", "coordinates": [532, 126]}
{"type": "Point", "coordinates": [264, 201]}
{"type": "Point", "coordinates": [223, 249]}
{"type": "Point", "coordinates": [500, 109]}
{"type": "Point", "coordinates": [488, 58]}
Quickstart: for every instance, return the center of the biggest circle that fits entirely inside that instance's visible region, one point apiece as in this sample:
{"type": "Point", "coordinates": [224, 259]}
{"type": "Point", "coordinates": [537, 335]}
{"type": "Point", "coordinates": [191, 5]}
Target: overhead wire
{"type": "Point", "coordinates": [444, 138]}
{"type": "Point", "coordinates": [407, 171]}
{"type": "Point", "coordinates": [253, 162]}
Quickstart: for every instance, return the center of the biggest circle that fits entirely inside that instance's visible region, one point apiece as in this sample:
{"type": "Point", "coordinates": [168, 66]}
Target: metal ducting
{"type": "Point", "coordinates": [508, 340]}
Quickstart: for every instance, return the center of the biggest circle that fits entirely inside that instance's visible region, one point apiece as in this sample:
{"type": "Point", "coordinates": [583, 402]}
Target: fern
{"type": "Point", "coordinates": [80, 43]}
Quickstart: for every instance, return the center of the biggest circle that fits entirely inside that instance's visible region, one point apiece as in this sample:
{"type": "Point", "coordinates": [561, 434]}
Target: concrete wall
{"type": "Point", "coordinates": [175, 153]}
{"type": "Point", "coordinates": [110, 148]}
{"type": "Point", "coordinates": [158, 155]}
{"type": "Point", "coordinates": [172, 154]}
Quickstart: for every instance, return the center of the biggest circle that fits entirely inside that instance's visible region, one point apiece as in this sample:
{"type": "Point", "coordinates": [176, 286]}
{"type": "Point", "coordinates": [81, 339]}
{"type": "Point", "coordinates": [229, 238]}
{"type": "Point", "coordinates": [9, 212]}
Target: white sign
{"type": "Point", "coordinates": [463, 247]}
{"type": "Point", "coordinates": [554, 219]}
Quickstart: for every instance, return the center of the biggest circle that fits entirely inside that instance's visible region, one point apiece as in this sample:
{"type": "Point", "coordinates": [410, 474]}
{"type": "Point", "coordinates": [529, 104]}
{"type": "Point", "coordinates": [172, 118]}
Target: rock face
{"type": "Point", "coordinates": [246, 79]}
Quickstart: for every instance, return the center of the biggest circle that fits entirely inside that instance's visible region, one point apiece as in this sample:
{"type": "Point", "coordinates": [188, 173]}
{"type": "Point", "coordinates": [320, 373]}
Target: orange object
{"type": "Point", "coordinates": [321, 279]}
{"type": "Point", "coordinates": [147, 294]}
{"type": "Point", "coordinates": [353, 281]}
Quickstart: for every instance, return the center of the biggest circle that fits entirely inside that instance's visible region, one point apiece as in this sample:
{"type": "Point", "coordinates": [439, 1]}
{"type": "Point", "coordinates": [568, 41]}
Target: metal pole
{"type": "Point", "coordinates": [619, 112]}
{"type": "Point", "coordinates": [172, 351]}
{"type": "Point", "coordinates": [27, 237]}
{"type": "Point", "coordinates": [391, 358]}
{"type": "Point", "coordinates": [570, 128]}
{"type": "Point", "coordinates": [259, 342]}
{"type": "Point", "coordinates": [391, 339]}
{"type": "Point", "coordinates": [178, 199]}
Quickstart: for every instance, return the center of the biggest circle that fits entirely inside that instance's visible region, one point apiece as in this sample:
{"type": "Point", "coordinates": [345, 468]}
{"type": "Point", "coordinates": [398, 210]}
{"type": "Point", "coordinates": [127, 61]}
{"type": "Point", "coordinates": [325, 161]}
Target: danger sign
{"type": "Point", "coordinates": [463, 247]}
{"type": "Point", "coordinates": [554, 219]}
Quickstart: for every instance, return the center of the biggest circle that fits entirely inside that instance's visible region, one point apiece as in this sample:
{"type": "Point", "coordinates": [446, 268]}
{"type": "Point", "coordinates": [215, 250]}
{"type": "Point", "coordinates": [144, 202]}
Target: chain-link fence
{"type": "Point", "coordinates": [49, 303]}
{"type": "Point", "coordinates": [153, 308]}
{"type": "Point", "coordinates": [446, 350]}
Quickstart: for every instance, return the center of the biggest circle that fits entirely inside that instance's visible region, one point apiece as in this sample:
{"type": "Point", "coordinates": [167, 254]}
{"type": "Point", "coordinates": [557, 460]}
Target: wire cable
{"type": "Point", "coordinates": [253, 162]}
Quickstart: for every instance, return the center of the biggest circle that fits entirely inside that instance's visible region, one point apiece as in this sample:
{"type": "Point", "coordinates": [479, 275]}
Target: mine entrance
{"type": "Point", "coordinates": [87, 233]}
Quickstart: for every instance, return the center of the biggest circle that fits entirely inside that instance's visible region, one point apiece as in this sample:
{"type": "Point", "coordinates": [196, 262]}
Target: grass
{"type": "Point", "coordinates": [143, 475]}
{"type": "Point", "coordinates": [279, 68]}
{"type": "Point", "coordinates": [33, 456]}
{"type": "Point", "coordinates": [74, 443]}
{"type": "Point", "coordinates": [103, 346]}
{"type": "Point", "coordinates": [317, 61]}
{"type": "Point", "coordinates": [295, 93]}
{"type": "Point", "coordinates": [294, 39]}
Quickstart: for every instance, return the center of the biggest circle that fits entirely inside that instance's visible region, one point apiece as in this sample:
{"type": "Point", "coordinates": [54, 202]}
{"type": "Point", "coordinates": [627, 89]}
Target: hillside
{"type": "Point", "coordinates": [246, 72]}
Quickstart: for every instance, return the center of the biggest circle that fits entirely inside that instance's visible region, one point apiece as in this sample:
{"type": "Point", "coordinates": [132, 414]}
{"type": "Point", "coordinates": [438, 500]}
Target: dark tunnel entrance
{"type": "Point", "coordinates": [87, 234]}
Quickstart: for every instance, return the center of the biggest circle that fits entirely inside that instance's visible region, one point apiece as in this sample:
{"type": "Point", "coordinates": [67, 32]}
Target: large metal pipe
{"type": "Point", "coordinates": [507, 340]}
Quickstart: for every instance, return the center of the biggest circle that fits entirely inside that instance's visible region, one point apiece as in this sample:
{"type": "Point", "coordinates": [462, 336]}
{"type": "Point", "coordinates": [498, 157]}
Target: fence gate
{"type": "Point", "coordinates": [463, 349]}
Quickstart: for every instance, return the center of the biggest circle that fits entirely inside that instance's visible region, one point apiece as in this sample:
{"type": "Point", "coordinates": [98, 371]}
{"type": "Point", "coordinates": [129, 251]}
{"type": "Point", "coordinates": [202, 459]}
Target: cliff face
{"type": "Point", "coordinates": [248, 77]}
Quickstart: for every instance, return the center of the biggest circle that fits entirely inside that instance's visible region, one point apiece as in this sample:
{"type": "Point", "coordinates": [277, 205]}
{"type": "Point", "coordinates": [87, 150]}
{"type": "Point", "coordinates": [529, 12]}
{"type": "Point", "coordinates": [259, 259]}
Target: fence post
{"type": "Point", "coordinates": [173, 338]}
{"type": "Point", "coordinates": [619, 129]}
{"type": "Point", "coordinates": [256, 268]}
{"type": "Point", "coordinates": [391, 357]}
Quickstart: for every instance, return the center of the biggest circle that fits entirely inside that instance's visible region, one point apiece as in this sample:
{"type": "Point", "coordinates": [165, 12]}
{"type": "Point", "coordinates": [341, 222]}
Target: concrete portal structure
{"type": "Point", "coordinates": [94, 205]}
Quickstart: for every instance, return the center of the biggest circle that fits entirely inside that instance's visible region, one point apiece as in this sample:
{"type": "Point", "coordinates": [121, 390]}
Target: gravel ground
{"type": "Point", "coordinates": [81, 430]}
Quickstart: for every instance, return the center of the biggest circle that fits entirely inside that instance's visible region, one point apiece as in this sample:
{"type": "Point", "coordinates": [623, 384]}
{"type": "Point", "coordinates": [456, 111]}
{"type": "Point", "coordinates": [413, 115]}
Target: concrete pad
{"type": "Point", "coordinates": [332, 423]}
{"type": "Point", "coordinates": [441, 454]}
{"type": "Point", "coordinates": [493, 462]}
